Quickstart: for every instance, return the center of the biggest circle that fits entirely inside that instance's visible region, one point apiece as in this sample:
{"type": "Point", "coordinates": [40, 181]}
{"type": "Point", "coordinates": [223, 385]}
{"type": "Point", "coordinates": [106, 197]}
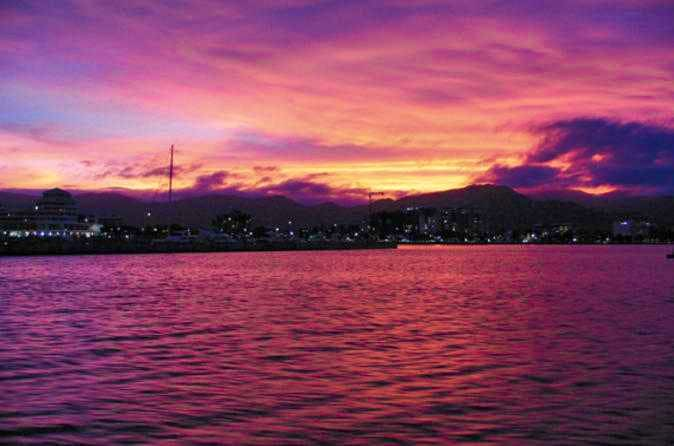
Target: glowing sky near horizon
{"type": "Point", "coordinates": [326, 99]}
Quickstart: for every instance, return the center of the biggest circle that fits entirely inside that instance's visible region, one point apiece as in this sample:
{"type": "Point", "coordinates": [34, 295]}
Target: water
{"type": "Point", "coordinates": [507, 345]}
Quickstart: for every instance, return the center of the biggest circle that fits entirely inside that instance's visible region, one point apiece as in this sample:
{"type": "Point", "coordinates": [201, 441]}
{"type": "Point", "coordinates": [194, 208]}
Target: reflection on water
{"type": "Point", "coordinates": [513, 345]}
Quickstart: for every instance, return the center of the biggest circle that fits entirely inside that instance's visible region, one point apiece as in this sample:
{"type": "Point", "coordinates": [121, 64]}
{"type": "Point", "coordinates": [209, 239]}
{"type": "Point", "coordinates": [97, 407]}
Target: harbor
{"type": "Point", "coordinates": [55, 225]}
{"type": "Point", "coordinates": [59, 222]}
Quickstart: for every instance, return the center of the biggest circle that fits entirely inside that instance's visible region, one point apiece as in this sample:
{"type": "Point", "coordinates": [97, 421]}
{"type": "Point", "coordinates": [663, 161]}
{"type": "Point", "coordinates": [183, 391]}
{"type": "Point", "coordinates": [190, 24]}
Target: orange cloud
{"type": "Point", "coordinates": [412, 95]}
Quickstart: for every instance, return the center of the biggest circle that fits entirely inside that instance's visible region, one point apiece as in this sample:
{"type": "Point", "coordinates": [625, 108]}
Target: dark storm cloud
{"type": "Point", "coordinates": [522, 176]}
{"type": "Point", "coordinates": [596, 152]}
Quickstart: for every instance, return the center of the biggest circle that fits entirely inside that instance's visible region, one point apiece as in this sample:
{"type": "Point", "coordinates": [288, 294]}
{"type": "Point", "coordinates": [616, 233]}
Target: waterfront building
{"type": "Point", "coordinates": [631, 228]}
{"type": "Point", "coordinates": [464, 221]}
{"type": "Point", "coordinates": [110, 223]}
{"type": "Point", "coordinates": [56, 210]}
{"type": "Point", "coordinates": [55, 214]}
{"type": "Point", "coordinates": [17, 220]}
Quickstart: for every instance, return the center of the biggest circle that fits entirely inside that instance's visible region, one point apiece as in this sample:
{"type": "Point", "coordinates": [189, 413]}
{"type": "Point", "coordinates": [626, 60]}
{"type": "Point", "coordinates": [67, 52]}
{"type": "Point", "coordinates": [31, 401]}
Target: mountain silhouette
{"type": "Point", "coordinates": [499, 207]}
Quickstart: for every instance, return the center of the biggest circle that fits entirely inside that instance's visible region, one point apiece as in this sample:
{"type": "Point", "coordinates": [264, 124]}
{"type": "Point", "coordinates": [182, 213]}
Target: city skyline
{"type": "Point", "coordinates": [326, 100]}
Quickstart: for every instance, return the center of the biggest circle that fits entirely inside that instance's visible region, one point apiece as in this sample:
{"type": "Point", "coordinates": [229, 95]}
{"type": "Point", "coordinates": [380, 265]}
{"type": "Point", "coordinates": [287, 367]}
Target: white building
{"type": "Point", "coordinates": [56, 214]}
{"type": "Point", "coordinates": [56, 210]}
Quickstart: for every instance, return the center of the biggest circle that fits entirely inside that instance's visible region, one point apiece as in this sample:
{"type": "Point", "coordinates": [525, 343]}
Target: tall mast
{"type": "Point", "coordinates": [170, 195]}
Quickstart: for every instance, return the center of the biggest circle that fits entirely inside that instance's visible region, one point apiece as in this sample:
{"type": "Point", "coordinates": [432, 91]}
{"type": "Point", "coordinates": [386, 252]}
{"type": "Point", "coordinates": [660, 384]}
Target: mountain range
{"type": "Point", "coordinates": [500, 207]}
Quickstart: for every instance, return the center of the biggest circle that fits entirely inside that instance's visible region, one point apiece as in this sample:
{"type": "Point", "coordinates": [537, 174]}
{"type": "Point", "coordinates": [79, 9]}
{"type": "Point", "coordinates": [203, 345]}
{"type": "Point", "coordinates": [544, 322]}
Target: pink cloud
{"type": "Point", "coordinates": [357, 87]}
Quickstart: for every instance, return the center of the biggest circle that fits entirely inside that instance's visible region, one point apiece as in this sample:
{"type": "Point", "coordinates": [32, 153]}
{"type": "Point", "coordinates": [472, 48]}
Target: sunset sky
{"type": "Point", "coordinates": [323, 100]}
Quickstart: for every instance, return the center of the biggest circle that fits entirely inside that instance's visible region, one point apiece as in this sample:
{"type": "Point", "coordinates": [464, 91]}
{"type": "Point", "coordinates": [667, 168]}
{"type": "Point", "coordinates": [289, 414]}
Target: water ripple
{"type": "Point", "coordinates": [506, 345]}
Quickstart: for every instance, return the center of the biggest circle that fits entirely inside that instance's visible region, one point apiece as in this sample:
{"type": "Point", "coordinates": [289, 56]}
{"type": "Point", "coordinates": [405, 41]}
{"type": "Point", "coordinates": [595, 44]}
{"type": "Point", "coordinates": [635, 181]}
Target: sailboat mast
{"type": "Point", "coordinates": [170, 192]}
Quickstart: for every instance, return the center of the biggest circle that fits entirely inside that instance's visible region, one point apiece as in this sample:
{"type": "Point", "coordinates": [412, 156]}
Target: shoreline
{"type": "Point", "coordinates": [91, 247]}
{"type": "Point", "coordinates": [535, 244]}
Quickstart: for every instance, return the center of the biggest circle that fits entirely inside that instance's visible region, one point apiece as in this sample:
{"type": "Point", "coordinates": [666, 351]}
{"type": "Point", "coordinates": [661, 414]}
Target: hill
{"type": "Point", "coordinates": [659, 209]}
{"type": "Point", "coordinates": [503, 208]}
{"type": "Point", "coordinates": [499, 206]}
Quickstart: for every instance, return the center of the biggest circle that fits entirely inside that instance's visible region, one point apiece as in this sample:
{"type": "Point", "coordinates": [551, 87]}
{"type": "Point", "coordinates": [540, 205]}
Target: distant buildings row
{"type": "Point", "coordinates": [56, 215]}
{"type": "Point", "coordinates": [465, 225]}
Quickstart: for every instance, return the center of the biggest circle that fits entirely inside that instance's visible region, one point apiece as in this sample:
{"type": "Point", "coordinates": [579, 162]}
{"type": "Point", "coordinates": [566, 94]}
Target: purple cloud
{"type": "Point", "coordinates": [211, 181]}
{"type": "Point", "coordinates": [134, 171]}
{"type": "Point", "coordinates": [631, 156]}
{"type": "Point", "coordinates": [525, 176]}
{"type": "Point", "coordinates": [308, 189]}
